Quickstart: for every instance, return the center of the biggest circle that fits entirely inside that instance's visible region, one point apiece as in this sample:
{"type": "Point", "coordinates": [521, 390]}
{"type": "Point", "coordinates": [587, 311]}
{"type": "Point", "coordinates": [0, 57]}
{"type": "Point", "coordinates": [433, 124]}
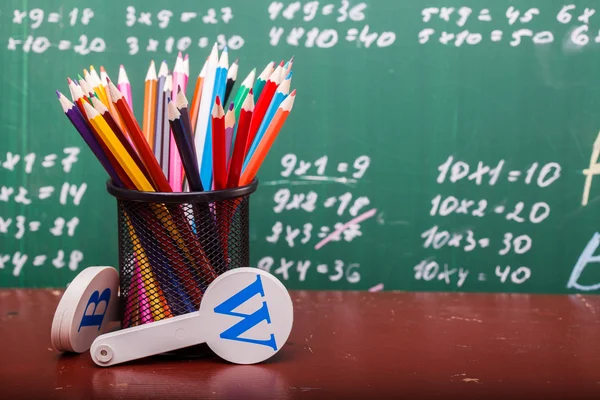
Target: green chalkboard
{"type": "Point", "coordinates": [433, 145]}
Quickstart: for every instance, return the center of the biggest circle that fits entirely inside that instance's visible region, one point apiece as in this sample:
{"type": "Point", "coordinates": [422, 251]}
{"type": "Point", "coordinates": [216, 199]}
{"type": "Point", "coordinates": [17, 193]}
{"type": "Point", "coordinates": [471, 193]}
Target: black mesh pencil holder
{"type": "Point", "coordinates": [173, 245]}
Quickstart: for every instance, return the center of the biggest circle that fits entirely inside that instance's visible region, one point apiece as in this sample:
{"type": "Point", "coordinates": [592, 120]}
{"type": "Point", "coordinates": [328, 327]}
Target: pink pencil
{"type": "Point", "coordinates": [124, 86]}
{"type": "Point", "coordinates": [229, 128]}
{"type": "Point", "coordinates": [186, 71]}
{"type": "Point", "coordinates": [175, 164]}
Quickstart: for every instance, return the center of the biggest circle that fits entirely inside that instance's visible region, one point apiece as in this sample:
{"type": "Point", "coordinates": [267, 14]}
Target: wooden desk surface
{"type": "Point", "coordinates": [343, 345]}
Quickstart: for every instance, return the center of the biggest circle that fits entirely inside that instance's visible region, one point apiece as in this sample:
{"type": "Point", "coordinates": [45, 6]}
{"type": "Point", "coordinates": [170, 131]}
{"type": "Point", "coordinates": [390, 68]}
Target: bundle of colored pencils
{"type": "Point", "coordinates": [208, 144]}
{"type": "Point", "coordinates": [204, 145]}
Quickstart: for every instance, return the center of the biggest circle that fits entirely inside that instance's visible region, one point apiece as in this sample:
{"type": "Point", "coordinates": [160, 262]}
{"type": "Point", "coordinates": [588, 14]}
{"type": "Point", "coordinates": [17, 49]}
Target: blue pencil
{"type": "Point", "coordinates": [206, 167]}
{"type": "Point", "coordinates": [282, 92]}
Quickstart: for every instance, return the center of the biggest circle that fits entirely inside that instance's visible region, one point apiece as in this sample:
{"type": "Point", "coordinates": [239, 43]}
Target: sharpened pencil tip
{"type": "Point", "coordinates": [231, 105]}
{"type": "Point", "coordinates": [179, 55]}
{"type": "Point", "coordinates": [58, 94]}
{"type": "Point", "coordinates": [225, 50]}
{"type": "Point", "coordinates": [69, 80]}
{"type": "Point", "coordinates": [282, 63]}
{"type": "Point", "coordinates": [187, 56]}
{"type": "Point", "coordinates": [250, 92]}
{"type": "Point", "coordinates": [218, 101]}
{"type": "Point", "coordinates": [102, 68]}
{"type": "Point", "coordinates": [293, 92]}
{"type": "Point", "coordinates": [121, 66]}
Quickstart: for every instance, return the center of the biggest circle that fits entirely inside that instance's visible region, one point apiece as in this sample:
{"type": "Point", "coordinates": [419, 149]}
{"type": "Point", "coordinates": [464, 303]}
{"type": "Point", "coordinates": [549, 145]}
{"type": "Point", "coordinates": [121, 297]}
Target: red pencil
{"type": "Point", "coordinates": [160, 181]}
{"type": "Point", "coordinates": [239, 148]}
{"type": "Point", "coordinates": [219, 146]}
{"type": "Point", "coordinates": [263, 104]}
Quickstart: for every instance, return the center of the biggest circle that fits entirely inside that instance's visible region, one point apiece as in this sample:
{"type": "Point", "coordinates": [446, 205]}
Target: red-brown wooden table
{"type": "Point", "coordinates": [343, 345]}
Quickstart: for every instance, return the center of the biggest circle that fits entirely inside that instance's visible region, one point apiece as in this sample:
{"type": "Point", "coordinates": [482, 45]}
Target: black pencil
{"type": "Point", "coordinates": [186, 152]}
{"type": "Point", "coordinates": [231, 77]}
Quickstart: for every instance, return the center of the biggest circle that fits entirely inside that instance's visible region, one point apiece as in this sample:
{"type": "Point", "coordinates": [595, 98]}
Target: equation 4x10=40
{"type": "Point", "coordinates": [428, 270]}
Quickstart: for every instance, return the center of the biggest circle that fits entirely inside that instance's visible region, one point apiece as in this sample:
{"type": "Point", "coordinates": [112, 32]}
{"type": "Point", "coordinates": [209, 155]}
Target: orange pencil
{"type": "Point", "coordinates": [160, 181]}
{"type": "Point", "coordinates": [150, 88]}
{"type": "Point", "coordinates": [267, 141]}
{"type": "Point", "coordinates": [196, 98]}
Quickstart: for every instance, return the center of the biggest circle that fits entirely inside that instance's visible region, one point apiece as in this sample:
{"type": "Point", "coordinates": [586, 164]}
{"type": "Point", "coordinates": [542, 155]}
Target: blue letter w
{"type": "Point", "coordinates": [249, 320]}
{"type": "Point", "coordinates": [95, 319]}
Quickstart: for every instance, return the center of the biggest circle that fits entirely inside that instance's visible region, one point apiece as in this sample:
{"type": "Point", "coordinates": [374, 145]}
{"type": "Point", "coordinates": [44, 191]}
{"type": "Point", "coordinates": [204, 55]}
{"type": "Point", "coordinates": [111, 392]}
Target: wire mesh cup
{"type": "Point", "coordinates": [173, 245]}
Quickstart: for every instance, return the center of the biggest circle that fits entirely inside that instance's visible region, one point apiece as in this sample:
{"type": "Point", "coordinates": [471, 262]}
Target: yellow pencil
{"type": "Point", "coordinates": [158, 303]}
{"type": "Point", "coordinates": [98, 86]}
{"type": "Point", "coordinates": [115, 147]}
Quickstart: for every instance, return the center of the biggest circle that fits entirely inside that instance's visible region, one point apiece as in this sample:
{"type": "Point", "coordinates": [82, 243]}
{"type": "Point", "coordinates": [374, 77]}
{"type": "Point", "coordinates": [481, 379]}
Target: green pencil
{"type": "Point", "coordinates": [262, 80]}
{"type": "Point", "coordinates": [242, 92]}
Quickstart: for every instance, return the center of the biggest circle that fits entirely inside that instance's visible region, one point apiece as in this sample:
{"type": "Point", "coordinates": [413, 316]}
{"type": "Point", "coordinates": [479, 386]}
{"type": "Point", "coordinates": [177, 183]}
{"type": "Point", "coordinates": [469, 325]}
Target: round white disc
{"type": "Point", "coordinates": [89, 304]}
{"type": "Point", "coordinates": [247, 315]}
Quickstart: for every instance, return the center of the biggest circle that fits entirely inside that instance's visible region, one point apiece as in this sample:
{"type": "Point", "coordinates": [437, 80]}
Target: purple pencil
{"type": "Point", "coordinates": [229, 128]}
{"type": "Point", "coordinates": [79, 122]}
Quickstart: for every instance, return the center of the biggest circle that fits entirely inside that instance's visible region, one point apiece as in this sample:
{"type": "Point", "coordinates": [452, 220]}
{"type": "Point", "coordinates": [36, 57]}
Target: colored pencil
{"type": "Point", "coordinates": [150, 87]}
{"type": "Point", "coordinates": [166, 130]}
{"type": "Point", "coordinates": [182, 106]}
{"type": "Point", "coordinates": [265, 144]}
{"type": "Point", "coordinates": [111, 108]}
{"type": "Point", "coordinates": [186, 71]}
{"type": "Point", "coordinates": [78, 96]}
{"type": "Point", "coordinates": [289, 66]}
{"type": "Point", "coordinates": [124, 86]}
{"type": "Point", "coordinates": [262, 80]}
{"type": "Point", "coordinates": [175, 165]}
{"type": "Point", "coordinates": [98, 86]}
{"type": "Point", "coordinates": [202, 126]}
{"type": "Point", "coordinates": [239, 147]}
{"type": "Point", "coordinates": [85, 87]}
{"type": "Point", "coordinates": [231, 78]}
{"type": "Point", "coordinates": [195, 108]}
{"type": "Point", "coordinates": [229, 128]}
{"type": "Point", "coordinates": [219, 154]}
{"type": "Point", "coordinates": [240, 96]}
{"type": "Point", "coordinates": [104, 79]}
{"type": "Point", "coordinates": [117, 149]}
{"type": "Point", "coordinates": [178, 75]}
{"type": "Point", "coordinates": [160, 107]}
{"type": "Point", "coordinates": [141, 145]}
{"type": "Point", "coordinates": [282, 92]}
{"type": "Point", "coordinates": [206, 165]}
{"type": "Point", "coordinates": [103, 110]}
{"type": "Point", "coordinates": [221, 75]}
{"type": "Point", "coordinates": [80, 123]}
{"type": "Point", "coordinates": [263, 104]}
{"type": "Point", "coordinates": [185, 147]}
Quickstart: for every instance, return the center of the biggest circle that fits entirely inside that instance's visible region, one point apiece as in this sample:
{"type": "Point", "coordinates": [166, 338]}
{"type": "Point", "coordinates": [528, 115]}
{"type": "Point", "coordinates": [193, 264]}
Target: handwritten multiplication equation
{"type": "Point", "coordinates": [132, 17]}
{"type": "Point", "coordinates": [339, 14]}
{"type": "Point", "coordinates": [338, 271]}
{"type": "Point", "coordinates": [465, 26]}
{"type": "Point", "coordinates": [16, 261]}
{"type": "Point", "coordinates": [517, 215]}
{"type": "Point", "coordinates": [346, 212]}
{"type": "Point", "coordinates": [17, 227]}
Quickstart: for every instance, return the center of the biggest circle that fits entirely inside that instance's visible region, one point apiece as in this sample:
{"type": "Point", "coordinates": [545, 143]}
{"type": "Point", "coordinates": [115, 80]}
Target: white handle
{"type": "Point", "coordinates": [147, 340]}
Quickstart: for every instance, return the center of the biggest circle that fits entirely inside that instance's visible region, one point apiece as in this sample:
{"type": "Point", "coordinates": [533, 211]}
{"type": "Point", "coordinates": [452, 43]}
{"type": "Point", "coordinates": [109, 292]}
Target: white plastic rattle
{"type": "Point", "coordinates": [245, 317]}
